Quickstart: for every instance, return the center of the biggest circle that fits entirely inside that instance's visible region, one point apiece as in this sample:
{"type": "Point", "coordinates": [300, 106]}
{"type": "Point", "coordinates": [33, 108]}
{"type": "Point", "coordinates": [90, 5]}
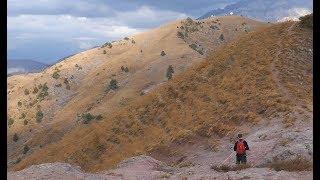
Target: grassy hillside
{"type": "Point", "coordinates": [265, 74]}
{"type": "Point", "coordinates": [43, 107]}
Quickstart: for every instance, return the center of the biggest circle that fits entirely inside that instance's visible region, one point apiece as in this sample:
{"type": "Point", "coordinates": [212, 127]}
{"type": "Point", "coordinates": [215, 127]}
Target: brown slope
{"type": "Point", "coordinates": [246, 81]}
{"type": "Point", "coordinates": [88, 84]}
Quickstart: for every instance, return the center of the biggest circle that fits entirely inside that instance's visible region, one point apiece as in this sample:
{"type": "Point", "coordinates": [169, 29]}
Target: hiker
{"type": "Point", "coordinates": [240, 147]}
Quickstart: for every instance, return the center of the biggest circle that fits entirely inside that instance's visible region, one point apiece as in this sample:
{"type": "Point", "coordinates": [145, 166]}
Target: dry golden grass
{"type": "Point", "coordinates": [233, 86]}
{"type": "Point", "coordinates": [227, 168]}
{"type": "Point", "coordinates": [297, 164]}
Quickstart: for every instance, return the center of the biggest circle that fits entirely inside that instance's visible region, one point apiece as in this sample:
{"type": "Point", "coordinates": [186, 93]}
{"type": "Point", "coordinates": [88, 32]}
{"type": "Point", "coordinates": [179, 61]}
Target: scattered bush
{"type": "Point", "coordinates": [26, 92]}
{"type": "Point", "coordinates": [221, 37]}
{"type": "Point", "coordinates": [163, 53]}
{"type": "Point", "coordinates": [22, 116]}
{"type": "Point", "coordinates": [19, 103]}
{"type": "Point", "coordinates": [88, 117]}
{"type": "Point", "coordinates": [25, 122]}
{"type": "Point", "coordinates": [44, 92]}
{"type": "Point", "coordinates": [58, 85]}
{"type": "Point", "coordinates": [189, 20]}
{"type": "Point", "coordinates": [306, 21]}
{"type": "Point", "coordinates": [35, 90]}
{"type": "Point", "coordinates": [10, 121]}
{"type": "Point", "coordinates": [56, 74]}
{"type": "Point", "coordinates": [193, 46]}
{"type": "Point", "coordinates": [180, 35]}
{"type": "Point", "coordinates": [297, 164]}
{"type": "Point", "coordinates": [126, 38]}
{"type": "Point", "coordinates": [132, 41]}
{"type": "Point", "coordinates": [125, 69]}
{"type": "Point", "coordinates": [107, 44]}
{"type": "Point", "coordinates": [170, 71]}
{"type": "Point", "coordinates": [104, 52]}
{"type": "Point", "coordinates": [78, 66]}
{"type": "Point", "coordinates": [113, 84]}
{"type": "Point", "coordinates": [226, 168]}
{"type": "Point", "coordinates": [39, 116]}
{"type": "Point", "coordinates": [15, 137]}
{"type": "Point", "coordinates": [25, 149]}
{"type": "Point", "coordinates": [99, 117]}
{"type": "Point", "coordinates": [68, 87]}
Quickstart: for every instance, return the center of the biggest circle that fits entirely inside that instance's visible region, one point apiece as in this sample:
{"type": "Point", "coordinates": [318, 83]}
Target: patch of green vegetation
{"type": "Point", "coordinates": [43, 92]}
{"type": "Point", "coordinates": [125, 69]}
{"type": "Point", "coordinates": [88, 117]}
{"type": "Point", "coordinates": [170, 72]}
{"type": "Point", "coordinates": [221, 37]}
{"type": "Point", "coordinates": [133, 42]}
{"type": "Point", "coordinates": [25, 149]}
{"type": "Point", "coordinates": [113, 84]}
{"type": "Point", "coordinates": [10, 122]}
{"type": "Point", "coordinates": [25, 122]}
{"type": "Point", "coordinates": [104, 52]}
{"type": "Point", "coordinates": [35, 90]}
{"type": "Point", "coordinates": [193, 46]}
{"type": "Point", "coordinates": [107, 44]}
{"type": "Point", "coordinates": [78, 66]}
{"type": "Point", "coordinates": [26, 92]}
{"type": "Point", "coordinates": [180, 35]}
{"type": "Point", "coordinates": [56, 74]}
{"type": "Point", "coordinates": [39, 116]}
{"type": "Point", "coordinates": [15, 137]}
{"type": "Point", "coordinates": [126, 38]}
{"type": "Point", "coordinates": [22, 116]}
{"type": "Point", "coordinates": [19, 103]}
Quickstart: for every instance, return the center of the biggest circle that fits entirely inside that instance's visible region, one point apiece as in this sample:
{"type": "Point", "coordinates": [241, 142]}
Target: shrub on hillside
{"type": "Point", "coordinates": [163, 53]}
{"type": "Point", "coordinates": [87, 118]}
{"type": "Point", "coordinates": [126, 38]}
{"type": "Point", "coordinates": [180, 35]}
{"type": "Point", "coordinates": [306, 21]}
{"type": "Point", "coordinates": [35, 90]}
{"type": "Point", "coordinates": [113, 84]}
{"type": "Point", "coordinates": [193, 46]}
{"type": "Point", "coordinates": [22, 116]}
{"type": "Point", "coordinates": [133, 42]}
{"type": "Point", "coordinates": [170, 71]}
{"type": "Point", "coordinates": [104, 52]}
{"type": "Point", "coordinates": [15, 137]}
{"type": "Point", "coordinates": [10, 121]}
{"type": "Point", "coordinates": [26, 92]}
{"type": "Point", "coordinates": [107, 44]}
{"type": "Point", "coordinates": [39, 116]}
{"type": "Point", "coordinates": [227, 168]}
{"type": "Point", "coordinates": [221, 37]}
{"type": "Point", "coordinates": [25, 122]}
{"type": "Point", "coordinates": [43, 92]}
{"type": "Point", "coordinates": [56, 74]}
{"type": "Point", "coordinates": [19, 103]}
{"type": "Point", "coordinates": [25, 149]}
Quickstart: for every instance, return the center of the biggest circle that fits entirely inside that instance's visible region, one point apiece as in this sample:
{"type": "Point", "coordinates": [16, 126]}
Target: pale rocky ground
{"type": "Point", "coordinates": [266, 141]}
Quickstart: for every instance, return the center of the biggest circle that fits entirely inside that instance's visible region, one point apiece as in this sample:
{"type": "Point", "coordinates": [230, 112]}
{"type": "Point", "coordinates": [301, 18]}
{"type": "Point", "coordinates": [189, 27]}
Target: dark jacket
{"type": "Point", "coordinates": [245, 145]}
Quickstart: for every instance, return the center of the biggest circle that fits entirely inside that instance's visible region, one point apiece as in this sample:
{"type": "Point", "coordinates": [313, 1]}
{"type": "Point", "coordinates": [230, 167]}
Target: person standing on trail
{"type": "Point", "coordinates": [240, 147]}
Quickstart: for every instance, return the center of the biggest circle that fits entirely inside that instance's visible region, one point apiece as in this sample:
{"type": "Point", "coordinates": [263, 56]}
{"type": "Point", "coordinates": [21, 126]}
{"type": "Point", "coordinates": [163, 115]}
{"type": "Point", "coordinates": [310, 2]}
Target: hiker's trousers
{"type": "Point", "coordinates": [241, 158]}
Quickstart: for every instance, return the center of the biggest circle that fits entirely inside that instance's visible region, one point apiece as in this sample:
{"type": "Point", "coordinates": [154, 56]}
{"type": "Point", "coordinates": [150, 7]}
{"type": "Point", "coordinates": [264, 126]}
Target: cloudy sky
{"type": "Point", "coordinates": [47, 30]}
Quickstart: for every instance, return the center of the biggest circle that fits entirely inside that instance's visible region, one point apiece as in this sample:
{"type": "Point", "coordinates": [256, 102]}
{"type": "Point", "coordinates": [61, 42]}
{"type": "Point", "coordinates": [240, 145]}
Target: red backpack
{"type": "Point", "coordinates": [240, 147]}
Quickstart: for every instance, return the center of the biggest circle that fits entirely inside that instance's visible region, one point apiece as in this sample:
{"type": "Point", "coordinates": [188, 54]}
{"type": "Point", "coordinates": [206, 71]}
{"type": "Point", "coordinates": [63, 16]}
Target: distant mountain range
{"type": "Point", "coordinates": [24, 66]}
{"type": "Point", "coordinates": [271, 10]}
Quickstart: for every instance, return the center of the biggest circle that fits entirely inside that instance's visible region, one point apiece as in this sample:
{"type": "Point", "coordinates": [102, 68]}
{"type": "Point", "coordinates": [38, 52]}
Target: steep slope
{"type": "Point", "coordinates": [45, 106]}
{"type": "Point", "coordinates": [262, 77]}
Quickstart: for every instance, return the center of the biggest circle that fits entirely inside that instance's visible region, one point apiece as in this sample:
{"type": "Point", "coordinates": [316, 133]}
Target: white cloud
{"type": "Point", "coordinates": [294, 14]}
